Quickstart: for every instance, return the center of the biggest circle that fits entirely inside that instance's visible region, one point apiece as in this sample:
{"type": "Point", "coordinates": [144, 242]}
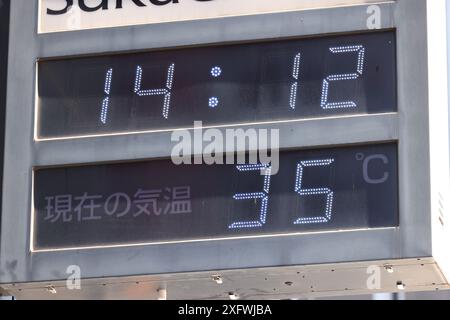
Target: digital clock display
{"type": "Point", "coordinates": [224, 84]}
{"type": "Point", "coordinates": [157, 202]}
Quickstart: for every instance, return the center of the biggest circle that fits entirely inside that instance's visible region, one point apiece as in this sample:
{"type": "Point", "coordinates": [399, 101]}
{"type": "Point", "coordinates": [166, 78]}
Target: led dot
{"type": "Point", "coordinates": [213, 102]}
{"type": "Point", "coordinates": [216, 72]}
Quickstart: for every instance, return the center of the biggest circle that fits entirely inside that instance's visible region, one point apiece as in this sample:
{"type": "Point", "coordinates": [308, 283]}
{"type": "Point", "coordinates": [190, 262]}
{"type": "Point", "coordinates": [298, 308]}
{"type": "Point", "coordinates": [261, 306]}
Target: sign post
{"type": "Point", "coordinates": [4, 38]}
{"type": "Point", "coordinates": [356, 92]}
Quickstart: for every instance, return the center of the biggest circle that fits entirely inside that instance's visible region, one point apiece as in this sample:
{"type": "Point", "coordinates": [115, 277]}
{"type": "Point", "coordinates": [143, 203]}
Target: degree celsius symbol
{"type": "Point", "coordinates": [367, 162]}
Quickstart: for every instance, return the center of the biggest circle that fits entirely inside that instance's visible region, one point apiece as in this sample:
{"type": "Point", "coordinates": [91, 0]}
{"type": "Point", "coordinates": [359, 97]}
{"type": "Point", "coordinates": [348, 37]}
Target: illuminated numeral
{"type": "Point", "coordinates": [107, 90]}
{"type": "Point", "coordinates": [166, 92]}
{"type": "Point", "coordinates": [314, 192]}
{"type": "Point", "coordinates": [295, 75]}
{"type": "Point", "coordinates": [343, 77]}
{"type": "Point", "coordinates": [264, 196]}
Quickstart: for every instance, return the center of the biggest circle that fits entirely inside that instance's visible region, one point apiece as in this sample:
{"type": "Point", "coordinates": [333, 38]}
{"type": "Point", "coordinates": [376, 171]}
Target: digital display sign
{"type": "Point", "coordinates": [225, 84]}
{"type": "Point", "coordinates": [157, 202]}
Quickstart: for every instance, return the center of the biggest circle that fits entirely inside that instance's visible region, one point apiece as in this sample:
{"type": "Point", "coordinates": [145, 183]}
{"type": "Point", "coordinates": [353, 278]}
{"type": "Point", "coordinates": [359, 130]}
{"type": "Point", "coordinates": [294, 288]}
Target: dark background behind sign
{"type": "Point", "coordinates": [4, 37]}
{"type": "Point", "coordinates": [254, 84]}
{"type": "Point", "coordinates": [356, 203]}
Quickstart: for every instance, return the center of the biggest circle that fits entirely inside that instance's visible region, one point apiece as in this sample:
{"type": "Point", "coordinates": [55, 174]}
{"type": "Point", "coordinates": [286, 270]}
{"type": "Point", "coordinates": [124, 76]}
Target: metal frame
{"type": "Point", "coordinates": [410, 127]}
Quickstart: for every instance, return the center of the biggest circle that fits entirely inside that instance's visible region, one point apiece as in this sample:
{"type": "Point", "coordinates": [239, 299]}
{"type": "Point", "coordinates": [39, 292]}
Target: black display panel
{"type": "Point", "coordinates": [219, 85]}
{"type": "Point", "coordinates": [157, 201]}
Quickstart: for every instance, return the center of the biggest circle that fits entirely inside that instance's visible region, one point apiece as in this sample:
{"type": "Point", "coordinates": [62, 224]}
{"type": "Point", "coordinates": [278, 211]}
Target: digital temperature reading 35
{"type": "Point", "coordinates": [220, 85]}
{"type": "Point", "coordinates": [157, 201]}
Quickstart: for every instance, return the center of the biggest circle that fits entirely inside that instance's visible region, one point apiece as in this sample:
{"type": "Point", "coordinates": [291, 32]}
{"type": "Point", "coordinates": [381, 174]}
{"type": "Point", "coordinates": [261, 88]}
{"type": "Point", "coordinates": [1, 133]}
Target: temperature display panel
{"type": "Point", "coordinates": [157, 201]}
{"type": "Point", "coordinates": [219, 85]}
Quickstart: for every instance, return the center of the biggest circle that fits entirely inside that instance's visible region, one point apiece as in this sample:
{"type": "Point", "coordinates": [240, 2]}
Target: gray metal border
{"type": "Point", "coordinates": [409, 127]}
